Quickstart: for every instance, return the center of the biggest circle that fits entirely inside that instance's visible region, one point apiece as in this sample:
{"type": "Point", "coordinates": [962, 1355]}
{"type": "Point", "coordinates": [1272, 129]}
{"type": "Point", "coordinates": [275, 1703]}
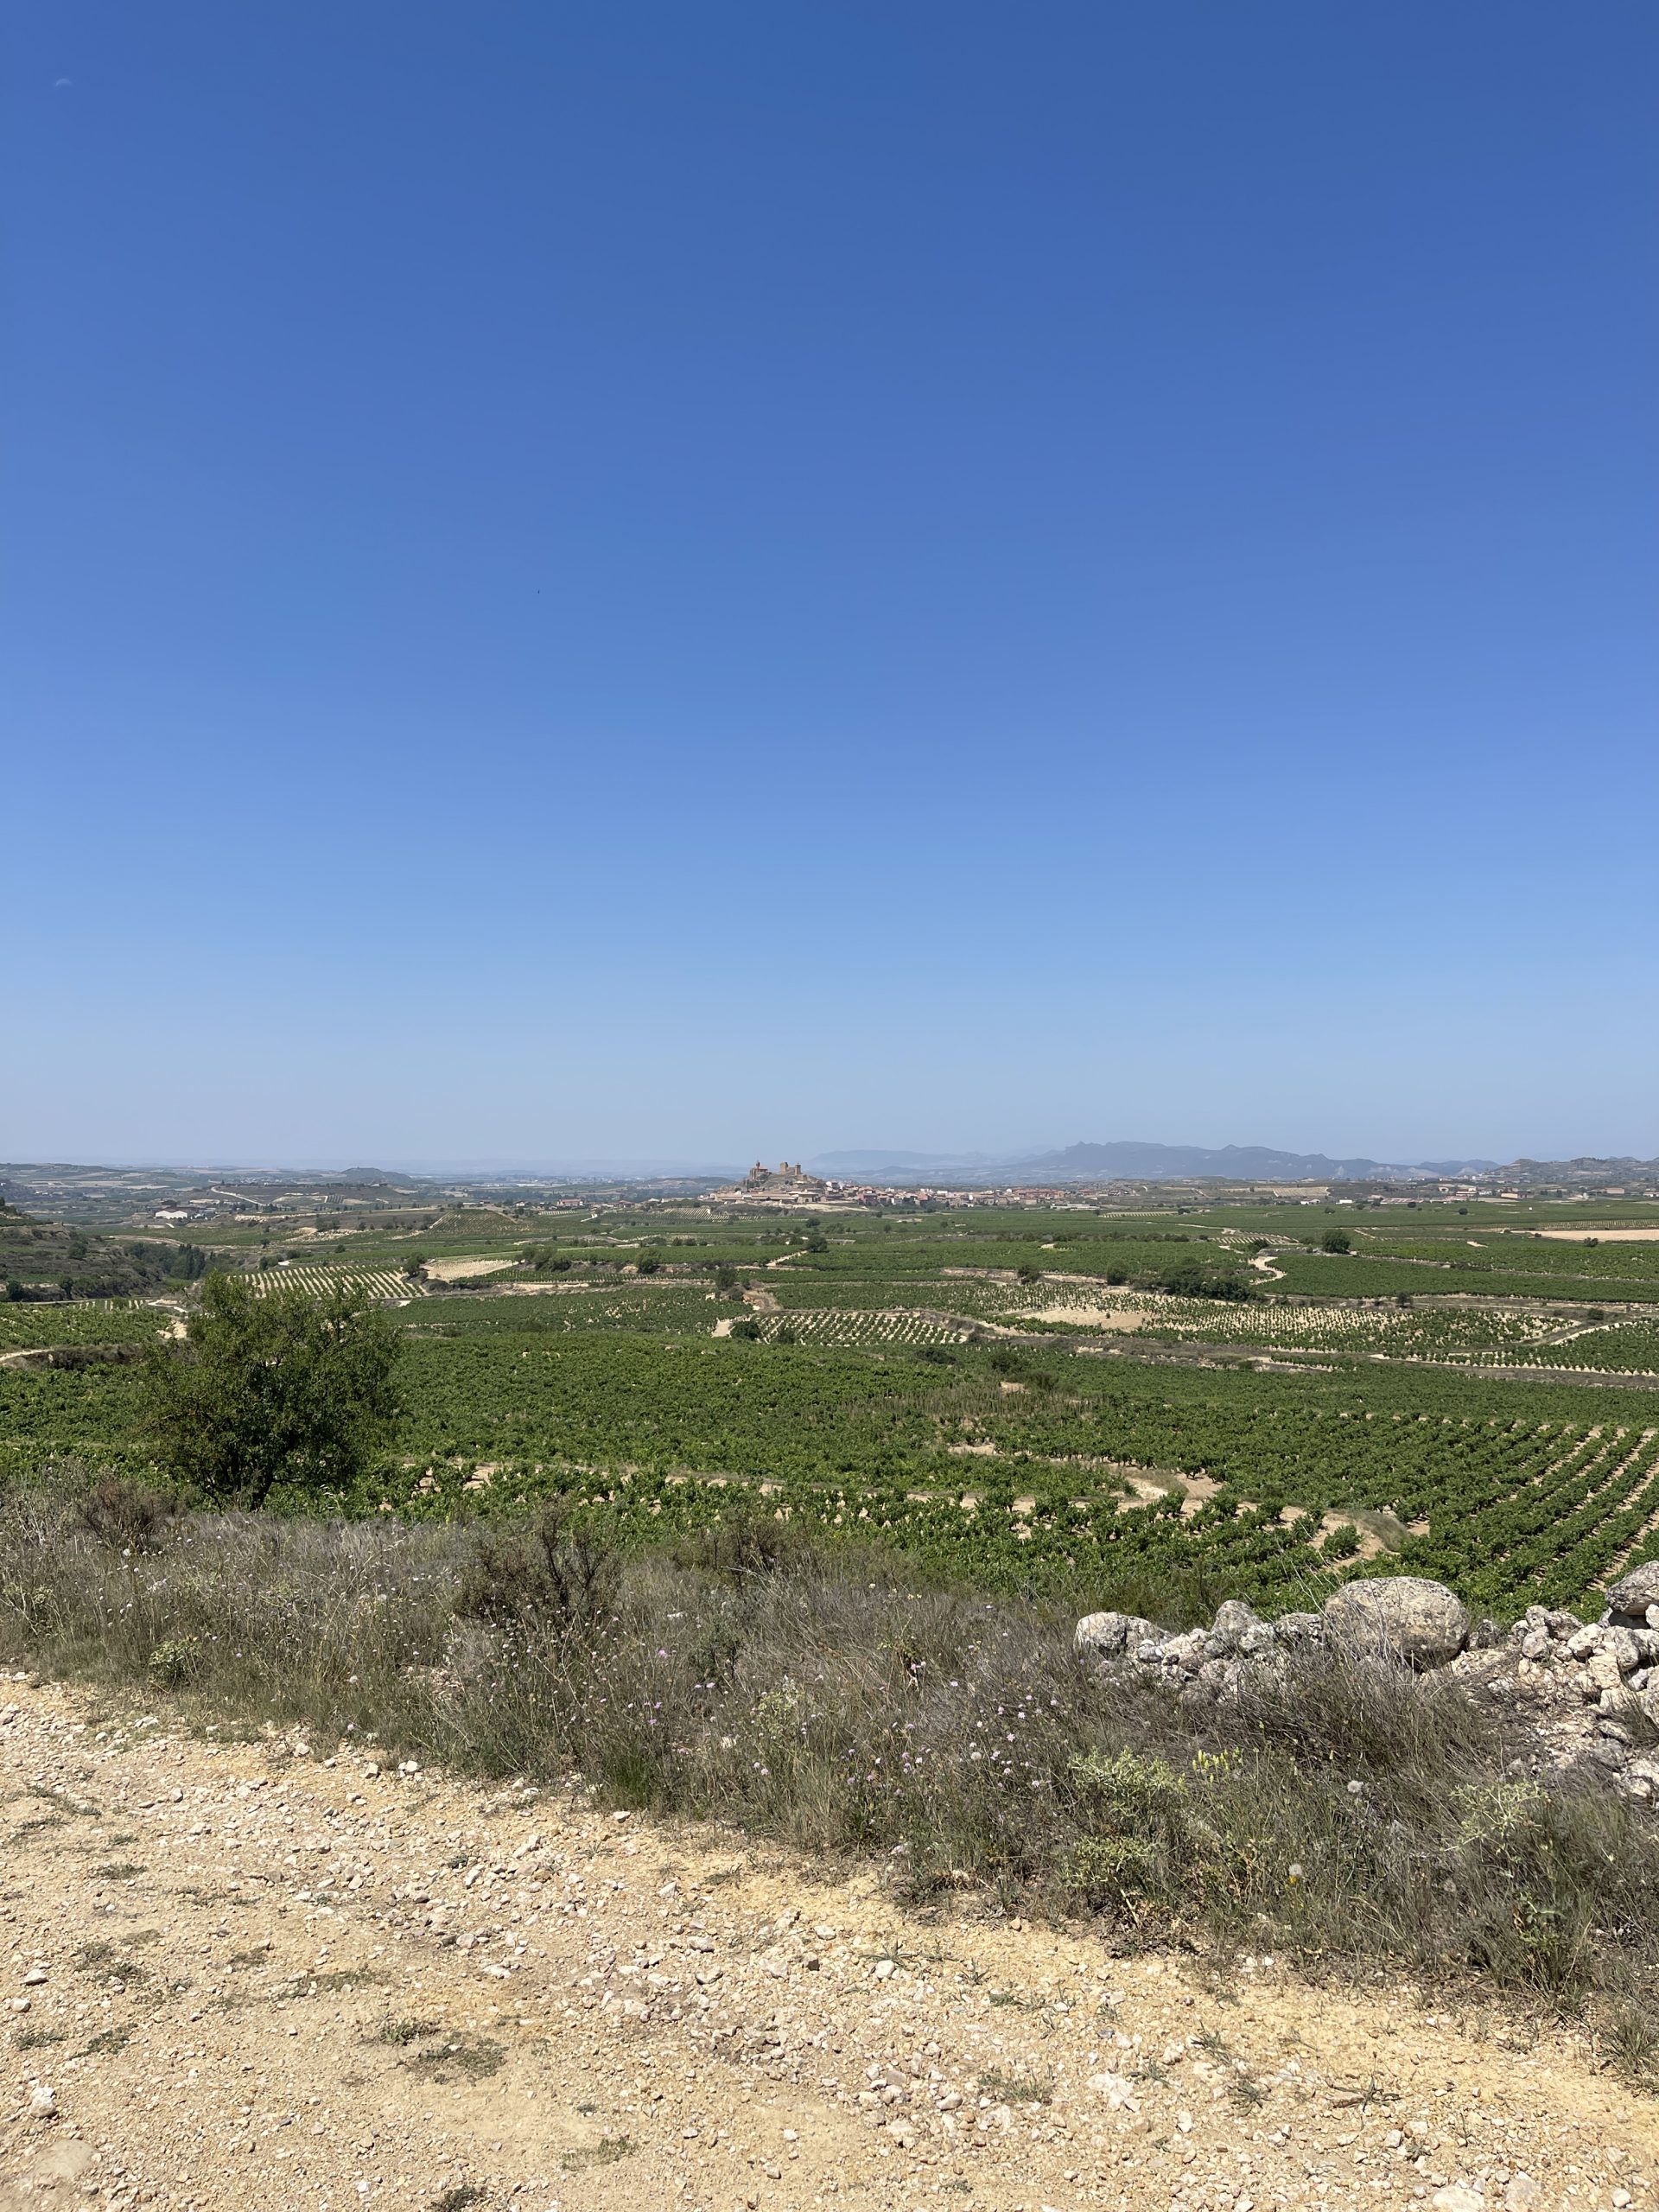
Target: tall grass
{"type": "Point", "coordinates": [1349, 1815]}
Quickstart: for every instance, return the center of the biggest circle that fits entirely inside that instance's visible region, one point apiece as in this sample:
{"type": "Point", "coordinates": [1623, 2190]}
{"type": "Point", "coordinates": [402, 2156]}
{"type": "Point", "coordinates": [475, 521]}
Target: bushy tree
{"type": "Point", "coordinates": [1336, 1240]}
{"type": "Point", "coordinates": [285, 1389]}
{"type": "Point", "coordinates": [1192, 1279]}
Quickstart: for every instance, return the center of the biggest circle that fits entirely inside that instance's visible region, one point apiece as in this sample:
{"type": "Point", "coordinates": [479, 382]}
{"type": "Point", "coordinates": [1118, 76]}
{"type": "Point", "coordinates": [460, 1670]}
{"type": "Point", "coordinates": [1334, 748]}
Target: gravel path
{"type": "Point", "coordinates": [269, 1975]}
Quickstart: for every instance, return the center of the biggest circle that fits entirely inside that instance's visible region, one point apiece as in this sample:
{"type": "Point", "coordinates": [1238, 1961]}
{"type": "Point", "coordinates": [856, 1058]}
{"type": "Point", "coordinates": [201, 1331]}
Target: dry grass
{"type": "Point", "coordinates": [1349, 1816]}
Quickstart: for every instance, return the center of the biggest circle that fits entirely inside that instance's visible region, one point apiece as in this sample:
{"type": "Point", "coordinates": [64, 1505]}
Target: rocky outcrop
{"type": "Point", "coordinates": [1585, 1695]}
{"type": "Point", "coordinates": [1635, 1595]}
{"type": "Point", "coordinates": [1106, 1636]}
{"type": "Point", "coordinates": [1205, 1662]}
{"type": "Point", "coordinates": [1423, 1622]}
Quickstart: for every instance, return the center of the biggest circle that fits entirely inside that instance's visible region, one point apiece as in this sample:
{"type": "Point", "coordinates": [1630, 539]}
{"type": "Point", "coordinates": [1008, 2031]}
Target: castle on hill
{"type": "Point", "coordinates": [785, 1179]}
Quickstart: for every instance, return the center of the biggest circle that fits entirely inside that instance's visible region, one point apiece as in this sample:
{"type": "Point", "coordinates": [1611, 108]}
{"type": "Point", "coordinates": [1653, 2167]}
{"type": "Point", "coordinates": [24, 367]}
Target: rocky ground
{"type": "Point", "coordinates": [266, 1974]}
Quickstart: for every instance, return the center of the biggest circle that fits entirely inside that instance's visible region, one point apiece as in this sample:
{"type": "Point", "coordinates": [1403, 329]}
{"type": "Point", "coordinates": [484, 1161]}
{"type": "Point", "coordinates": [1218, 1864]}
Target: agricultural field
{"type": "Point", "coordinates": [1491, 1333]}
{"type": "Point", "coordinates": [319, 1280]}
{"type": "Point", "coordinates": [1511, 1262]}
{"type": "Point", "coordinates": [1008, 1397]}
{"type": "Point", "coordinates": [91, 1321]}
{"type": "Point", "coordinates": [863, 1326]}
{"type": "Point", "coordinates": [1366, 1274]}
{"type": "Point", "coordinates": [1492, 1337]}
{"type": "Point", "coordinates": [1020, 1473]}
{"type": "Point", "coordinates": [1622, 1347]}
{"type": "Point", "coordinates": [608, 1308]}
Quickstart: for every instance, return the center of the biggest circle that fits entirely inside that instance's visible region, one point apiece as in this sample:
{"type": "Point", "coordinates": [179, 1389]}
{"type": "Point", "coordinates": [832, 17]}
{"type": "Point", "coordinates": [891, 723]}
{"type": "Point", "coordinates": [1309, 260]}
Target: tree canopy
{"type": "Point", "coordinates": [275, 1389]}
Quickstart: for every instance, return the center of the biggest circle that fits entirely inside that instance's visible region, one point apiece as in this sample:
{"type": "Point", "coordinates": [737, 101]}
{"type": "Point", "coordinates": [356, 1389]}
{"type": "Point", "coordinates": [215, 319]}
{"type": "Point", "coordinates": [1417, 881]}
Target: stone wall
{"type": "Point", "coordinates": [1584, 1696]}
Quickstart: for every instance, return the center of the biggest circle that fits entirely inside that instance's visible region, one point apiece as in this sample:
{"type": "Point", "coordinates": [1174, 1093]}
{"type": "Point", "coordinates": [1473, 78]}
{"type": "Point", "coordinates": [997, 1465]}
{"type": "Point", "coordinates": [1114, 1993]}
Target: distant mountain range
{"type": "Point", "coordinates": [1237, 1163]}
{"type": "Point", "coordinates": [1131, 1162]}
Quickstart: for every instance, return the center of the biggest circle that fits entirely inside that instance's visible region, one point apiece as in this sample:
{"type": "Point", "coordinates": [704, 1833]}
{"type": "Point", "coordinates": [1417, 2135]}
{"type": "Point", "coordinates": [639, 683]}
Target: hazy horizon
{"type": "Point", "coordinates": [734, 1160]}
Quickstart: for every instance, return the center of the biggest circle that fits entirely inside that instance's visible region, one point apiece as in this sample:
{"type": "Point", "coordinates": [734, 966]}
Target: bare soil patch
{"type": "Point", "coordinates": [1092, 1317]}
{"type": "Point", "coordinates": [1599, 1236]}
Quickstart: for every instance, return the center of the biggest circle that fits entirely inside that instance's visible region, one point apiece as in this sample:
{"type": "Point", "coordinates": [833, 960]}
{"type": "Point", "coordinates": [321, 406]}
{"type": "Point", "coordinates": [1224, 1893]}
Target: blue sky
{"type": "Point", "coordinates": [636, 580]}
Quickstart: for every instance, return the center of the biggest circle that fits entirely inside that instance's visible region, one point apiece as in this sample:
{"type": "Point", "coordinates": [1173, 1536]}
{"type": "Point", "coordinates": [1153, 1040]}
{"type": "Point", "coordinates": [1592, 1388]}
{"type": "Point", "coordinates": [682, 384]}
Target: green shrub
{"type": "Point", "coordinates": [283, 1388]}
{"type": "Point", "coordinates": [176, 1661]}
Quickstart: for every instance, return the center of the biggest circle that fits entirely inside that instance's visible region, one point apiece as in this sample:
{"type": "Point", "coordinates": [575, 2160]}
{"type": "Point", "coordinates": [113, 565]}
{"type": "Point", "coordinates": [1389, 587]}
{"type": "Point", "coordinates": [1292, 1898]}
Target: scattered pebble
{"type": "Point", "coordinates": [303, 1994]}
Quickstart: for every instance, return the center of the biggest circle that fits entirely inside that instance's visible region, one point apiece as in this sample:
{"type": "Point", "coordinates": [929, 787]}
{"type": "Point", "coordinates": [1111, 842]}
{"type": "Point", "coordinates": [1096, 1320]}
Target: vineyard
{"type": "Point", "coordinates": [671, 1310]}
{"type": "Point", "coordinates": [320, 1281]}
{"type": "Point", "coordinates": [864, 1381]}
{"type": "Point", "coordinates": [800, 1294]}
{"type": "Point", "coordinates": [1513, 1269]}
{"type": "Point", "coordinates": [846, 1326]}
{"type": "Point", "coordinates": [28, 1327]}
{"type": "Point", "coordinates": [1023, 1477]}
{"type": "Point", "coordinates": [1564, 1268]}
{"type": "Point", "coordinates": [1491, 1336]}
{"type": "Point", "coordinates": [1074, 1473]}
{"type": "Point", "coordinates": [1481, 1337]}
{"type": "Point", "coordinates": [1485, 1335]}
{"type": "Point", "coordinates": [1629, 1347]}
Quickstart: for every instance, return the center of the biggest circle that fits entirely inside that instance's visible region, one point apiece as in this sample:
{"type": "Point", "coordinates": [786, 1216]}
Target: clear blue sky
{"type": "Point", "coordinates": [655, 580]}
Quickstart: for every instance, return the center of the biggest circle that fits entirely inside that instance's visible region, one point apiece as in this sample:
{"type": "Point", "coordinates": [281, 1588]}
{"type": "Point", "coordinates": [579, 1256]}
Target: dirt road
{"type": "Point", "coordinates": [268, 1976]}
